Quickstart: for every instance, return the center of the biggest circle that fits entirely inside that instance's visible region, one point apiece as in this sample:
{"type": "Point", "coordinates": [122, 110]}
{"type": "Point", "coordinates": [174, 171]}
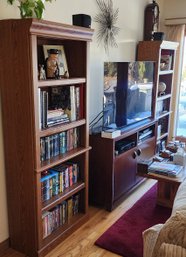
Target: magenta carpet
{"type": "Point", "coordinates": [124, 237]}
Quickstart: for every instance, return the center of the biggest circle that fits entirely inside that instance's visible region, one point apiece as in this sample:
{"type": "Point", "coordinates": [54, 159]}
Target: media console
{"type": "Point", "coordinates": [113, 163]}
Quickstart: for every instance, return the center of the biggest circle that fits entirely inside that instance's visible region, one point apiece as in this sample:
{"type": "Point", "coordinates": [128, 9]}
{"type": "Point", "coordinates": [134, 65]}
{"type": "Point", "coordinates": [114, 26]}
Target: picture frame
{"type": "Point", "coordinates": [63, 68]}
{"type": "Point", "coordinates": [166, 62]}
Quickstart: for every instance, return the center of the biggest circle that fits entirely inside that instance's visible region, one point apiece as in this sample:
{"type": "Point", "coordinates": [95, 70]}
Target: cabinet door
{"type": "Point", "coordinates": [147, 148]}
{"type": "Point", "coordinates": [124, 173]}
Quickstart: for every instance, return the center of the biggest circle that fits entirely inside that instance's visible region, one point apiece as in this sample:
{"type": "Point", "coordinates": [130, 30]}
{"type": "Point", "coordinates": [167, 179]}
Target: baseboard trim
{"type": "Point", "coordinates": [4, 247]}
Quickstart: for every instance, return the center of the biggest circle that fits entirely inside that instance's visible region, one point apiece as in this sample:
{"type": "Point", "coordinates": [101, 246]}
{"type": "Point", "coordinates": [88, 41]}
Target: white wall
{"type": "Point", "coordinates": [174, 8]}
{"type": "Point", "coordinates": [130, 22]}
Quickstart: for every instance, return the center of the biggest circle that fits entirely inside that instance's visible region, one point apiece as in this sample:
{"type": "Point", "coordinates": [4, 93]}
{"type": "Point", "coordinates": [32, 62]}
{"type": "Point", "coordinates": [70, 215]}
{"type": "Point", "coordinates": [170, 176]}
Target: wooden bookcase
{"type": "Point", "coordinates": [163, 53]}
{"type": "Point", "coordinates": [21, 53]}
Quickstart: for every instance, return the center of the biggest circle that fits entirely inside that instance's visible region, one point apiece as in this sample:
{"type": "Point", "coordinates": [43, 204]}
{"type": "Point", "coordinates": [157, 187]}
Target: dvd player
{"type": "Point", "coordinates": [123, 146]}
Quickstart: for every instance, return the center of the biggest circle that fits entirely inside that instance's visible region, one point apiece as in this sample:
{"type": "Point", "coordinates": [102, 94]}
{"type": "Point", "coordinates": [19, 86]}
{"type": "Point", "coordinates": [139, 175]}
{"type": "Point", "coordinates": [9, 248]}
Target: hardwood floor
{"type": "Point", "coordinates": [81, 242]}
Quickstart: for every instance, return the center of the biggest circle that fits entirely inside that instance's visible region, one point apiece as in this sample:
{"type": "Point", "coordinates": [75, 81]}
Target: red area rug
{"type": "Point", "coordinates": [124, 237]}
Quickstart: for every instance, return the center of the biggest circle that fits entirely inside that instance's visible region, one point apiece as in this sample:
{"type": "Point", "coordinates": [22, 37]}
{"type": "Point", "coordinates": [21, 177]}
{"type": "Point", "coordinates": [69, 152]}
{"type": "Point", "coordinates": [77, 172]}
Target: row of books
{"type": "Point", "coordinates": [54, 181]}
{"type": "Point", "coordinates": [59, 105]}
{"type": "Point", "coordinates": [59, 215]}
{"type": "Point", "coordinates": [165, 168]}
{"type": "Point", "coordinates": [60, 143]}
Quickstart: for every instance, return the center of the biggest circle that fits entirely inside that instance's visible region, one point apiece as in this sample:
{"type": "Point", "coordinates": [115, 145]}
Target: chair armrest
{"type": "Point", "coordinates": [149, 239]}
{"type": "Point", "coordinates": [170, 250]}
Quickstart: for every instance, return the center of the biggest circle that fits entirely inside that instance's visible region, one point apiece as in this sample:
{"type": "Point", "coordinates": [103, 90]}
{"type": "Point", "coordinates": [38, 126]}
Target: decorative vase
{"type": "Point", "coordinates": [161, 88]}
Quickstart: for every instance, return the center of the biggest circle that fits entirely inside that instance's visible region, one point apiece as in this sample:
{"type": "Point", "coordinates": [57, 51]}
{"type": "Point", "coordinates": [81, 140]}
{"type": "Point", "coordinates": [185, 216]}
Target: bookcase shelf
{"type": "Point", "coordinates": [162, 136]}
{"type": "Point", "coordinates": [60, 233]}
{"type": "Point", "coordinates": [62, 158]}
{"type": "Point", "coordinates": [164, 72]}
{"type": "Point", "coordinates": [63, 196]}
{"type": "Point", "coordinates": [62, 127]}
{"type": "Point", "coordinates": [60, 82]}
{"type": "Point", "coordinates": [35, 188]}
{"type": "Point", "coordinates": [163, 97]}
{"type": "Point", "coordinates": [163, 115]}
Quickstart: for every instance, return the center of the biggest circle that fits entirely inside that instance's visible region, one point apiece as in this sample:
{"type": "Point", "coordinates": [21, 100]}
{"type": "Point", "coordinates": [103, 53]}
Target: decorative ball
{"type": "Point", "coordinates": [161, 87]}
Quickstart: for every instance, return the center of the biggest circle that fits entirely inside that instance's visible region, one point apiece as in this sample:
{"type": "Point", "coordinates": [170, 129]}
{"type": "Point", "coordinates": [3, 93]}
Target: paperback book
{"type": "Point", "coordinates": [165, 168]}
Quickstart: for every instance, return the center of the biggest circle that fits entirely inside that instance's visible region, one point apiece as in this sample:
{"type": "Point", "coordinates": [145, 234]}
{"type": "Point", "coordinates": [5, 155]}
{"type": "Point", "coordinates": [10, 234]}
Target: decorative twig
{"type": "Point", "coordinates": [107, 18]}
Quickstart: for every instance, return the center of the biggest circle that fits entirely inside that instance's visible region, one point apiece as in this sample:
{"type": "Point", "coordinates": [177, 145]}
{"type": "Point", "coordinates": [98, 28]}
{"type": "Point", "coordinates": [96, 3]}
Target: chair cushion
{"type": "Point", "coordinates": [169, 250]}
{"type": "Point", "coordinates": [173, 232]}
{"type": "Point", "coordinates": [180, 198]}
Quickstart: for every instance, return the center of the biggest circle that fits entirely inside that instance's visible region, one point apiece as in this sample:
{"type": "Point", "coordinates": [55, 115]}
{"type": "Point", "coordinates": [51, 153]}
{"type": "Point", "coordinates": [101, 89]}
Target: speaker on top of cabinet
{"type": "Point", "coordinates": [82, 20]}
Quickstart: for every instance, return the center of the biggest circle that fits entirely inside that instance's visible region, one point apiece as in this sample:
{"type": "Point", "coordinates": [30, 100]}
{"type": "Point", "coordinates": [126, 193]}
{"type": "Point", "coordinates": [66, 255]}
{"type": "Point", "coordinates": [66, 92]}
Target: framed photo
{"type": "Point", "coordinates": [166, 62]}
{"type": "Point", "coordinates": [63, 68]}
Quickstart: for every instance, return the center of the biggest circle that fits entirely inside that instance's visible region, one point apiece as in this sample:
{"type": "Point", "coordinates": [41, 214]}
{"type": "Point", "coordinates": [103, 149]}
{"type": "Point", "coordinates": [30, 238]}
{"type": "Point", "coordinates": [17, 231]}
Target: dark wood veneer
{"type": "Point", "coordinates": [4, 246]}
{"type": "Point", "coordinates": [20, 48]}
{"type": "Point", "coordinates": [153, 51]}
{"type": "Point", "coordinates": [112, 177]}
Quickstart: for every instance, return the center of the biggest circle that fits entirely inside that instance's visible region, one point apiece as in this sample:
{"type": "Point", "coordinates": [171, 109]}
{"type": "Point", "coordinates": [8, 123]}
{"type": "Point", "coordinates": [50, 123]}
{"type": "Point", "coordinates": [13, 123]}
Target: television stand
{"type": "Point", "coordinates": [136, 125]}
{"type": "Point", "coordinates": [113, 163]}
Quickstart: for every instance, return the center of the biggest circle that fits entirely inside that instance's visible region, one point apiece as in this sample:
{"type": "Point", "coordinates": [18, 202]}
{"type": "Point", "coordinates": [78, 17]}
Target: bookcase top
{"type": "Point", "coordinates": [47, 28]}
{"type": "Point", "coordinates": [171, 45]}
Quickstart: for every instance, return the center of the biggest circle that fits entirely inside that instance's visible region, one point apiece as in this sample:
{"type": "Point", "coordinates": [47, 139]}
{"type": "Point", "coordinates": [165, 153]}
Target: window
{"type": "Point", "coordinates": [181, 122]}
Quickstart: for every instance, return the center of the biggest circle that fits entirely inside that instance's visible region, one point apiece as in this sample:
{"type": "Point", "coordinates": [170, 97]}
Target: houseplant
{"type": "Point", "coordinates": [30, 8]}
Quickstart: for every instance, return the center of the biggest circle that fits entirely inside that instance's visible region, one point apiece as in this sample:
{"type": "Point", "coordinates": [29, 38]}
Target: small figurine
{"type": "Point", "coordinates": [42, 74]}
{"type": "Point", "coordinates": [66, 75]}
{"type": "Point", "coordinates": [52, 64]}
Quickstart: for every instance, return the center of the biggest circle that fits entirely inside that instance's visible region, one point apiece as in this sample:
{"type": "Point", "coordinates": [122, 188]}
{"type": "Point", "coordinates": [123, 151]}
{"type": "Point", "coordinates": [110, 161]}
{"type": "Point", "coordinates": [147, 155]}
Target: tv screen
{"type": "Point", "coordinates": [128, 90]}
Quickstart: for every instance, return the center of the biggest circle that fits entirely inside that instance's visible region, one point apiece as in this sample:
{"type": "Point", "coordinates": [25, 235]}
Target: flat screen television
{"type": "Point", "coordinates": [128, 93]}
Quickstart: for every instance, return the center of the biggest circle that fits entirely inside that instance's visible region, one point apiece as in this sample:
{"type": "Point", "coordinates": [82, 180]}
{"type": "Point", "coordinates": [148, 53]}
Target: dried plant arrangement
{"type": "Point", "coordinates": [107, 18]}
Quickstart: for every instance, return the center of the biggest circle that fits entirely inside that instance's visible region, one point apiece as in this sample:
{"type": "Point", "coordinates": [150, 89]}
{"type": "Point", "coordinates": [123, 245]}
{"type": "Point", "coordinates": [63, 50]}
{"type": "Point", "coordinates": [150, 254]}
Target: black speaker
{"type": "Point", "coordinates": [82, 20]}
{"type": "Point", "coordinates": [158, 36]}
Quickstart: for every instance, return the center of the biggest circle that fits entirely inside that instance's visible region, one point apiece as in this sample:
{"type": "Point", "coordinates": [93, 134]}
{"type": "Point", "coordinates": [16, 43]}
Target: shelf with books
{"type": "Point", "coordinates": [61, 215]}
{"type": "Point", "coordinates": [63, 196]}
{"type": "Point", "coordinates": [62, 231]}
{"type": "Point", "coordinates": [60, 182]}
{"type": "Point", "coordinates": [60, 143]}
{"type": "Point", "coordinates": [58, 128]}
{"type": "Point", "coordinates": [60, 105]}
{"type": "Point", "coordinates": [62, 158]}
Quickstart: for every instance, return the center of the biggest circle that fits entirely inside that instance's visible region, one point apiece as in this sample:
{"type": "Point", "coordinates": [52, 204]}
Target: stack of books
{"type": "Point", "coordinates": [165, 168]}
{"type": "Point", "coordinates": [111, 133]}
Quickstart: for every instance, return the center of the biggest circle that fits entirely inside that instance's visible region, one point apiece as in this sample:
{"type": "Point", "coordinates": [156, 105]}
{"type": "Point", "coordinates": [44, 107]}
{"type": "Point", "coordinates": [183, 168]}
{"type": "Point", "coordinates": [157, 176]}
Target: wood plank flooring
{"type": "Point", "coordinates": [81, 242]}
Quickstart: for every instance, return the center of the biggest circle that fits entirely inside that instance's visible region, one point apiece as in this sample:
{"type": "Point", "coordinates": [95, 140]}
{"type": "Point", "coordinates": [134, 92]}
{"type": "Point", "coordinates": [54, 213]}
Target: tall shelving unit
{"type": "Point", "coordinates": [21, 54]}
{"type": "Point", "coordinates": [163, 53]}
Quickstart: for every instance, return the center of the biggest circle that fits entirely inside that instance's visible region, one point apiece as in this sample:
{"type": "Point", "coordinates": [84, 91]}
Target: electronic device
{"type": "Point", "coordinates": [147, 133]}
{"type": "Point", "coordinates": [123, 146]}
{"type": "Point", "coordinates": [128, 91]}
{"type": "Point", "coordinates": [82, 20]}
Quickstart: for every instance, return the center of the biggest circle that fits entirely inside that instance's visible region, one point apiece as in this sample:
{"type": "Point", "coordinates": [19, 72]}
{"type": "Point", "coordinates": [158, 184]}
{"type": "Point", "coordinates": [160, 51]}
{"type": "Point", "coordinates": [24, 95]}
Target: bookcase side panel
{"type": "Point", "coordinates": [101, 171]}
{"type": "Point", "coordinates": [18, 127]}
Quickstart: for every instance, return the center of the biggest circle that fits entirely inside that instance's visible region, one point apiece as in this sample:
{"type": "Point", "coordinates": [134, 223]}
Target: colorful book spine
{"type": "Point", "coordinates": [60, 214]}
